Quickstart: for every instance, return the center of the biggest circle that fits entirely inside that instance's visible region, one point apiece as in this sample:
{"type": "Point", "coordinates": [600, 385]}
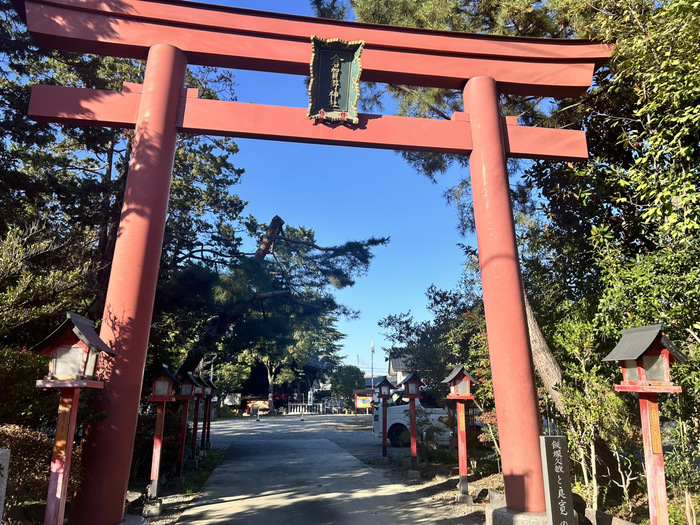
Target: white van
{"type": "Point", "coordinates": [398, 420]}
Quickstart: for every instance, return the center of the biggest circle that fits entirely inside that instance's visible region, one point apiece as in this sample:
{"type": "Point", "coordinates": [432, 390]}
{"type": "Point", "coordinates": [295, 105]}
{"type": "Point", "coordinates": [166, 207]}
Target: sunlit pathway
{"type": "Point", "coordinates": [302, 481]}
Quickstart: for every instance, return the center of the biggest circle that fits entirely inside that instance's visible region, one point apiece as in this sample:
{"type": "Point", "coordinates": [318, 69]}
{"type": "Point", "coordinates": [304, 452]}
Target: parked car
{"type": "Point", "coordinates": [398, 420]}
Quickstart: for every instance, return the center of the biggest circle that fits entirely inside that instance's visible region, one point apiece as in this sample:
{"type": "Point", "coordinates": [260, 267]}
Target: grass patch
{"type": "Point", "coordinates": [195, 479]}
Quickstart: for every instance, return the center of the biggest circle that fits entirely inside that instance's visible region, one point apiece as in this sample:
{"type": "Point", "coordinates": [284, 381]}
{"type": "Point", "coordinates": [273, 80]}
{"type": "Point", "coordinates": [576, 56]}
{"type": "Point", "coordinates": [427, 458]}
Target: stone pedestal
{"type": "Point", "coordinates": [498, 514]}
{"type": "Point", "coordinates": [152, 507]}
{"type": "Point", "coordinates": [464, 498]}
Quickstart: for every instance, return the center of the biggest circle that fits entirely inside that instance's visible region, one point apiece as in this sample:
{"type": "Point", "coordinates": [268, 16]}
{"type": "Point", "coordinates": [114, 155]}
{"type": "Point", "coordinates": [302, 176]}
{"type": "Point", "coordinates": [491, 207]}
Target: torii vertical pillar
{"type": "Point", "coordinates": [509, 344]}
{"type": "Point", "coordinates": [107, 446]}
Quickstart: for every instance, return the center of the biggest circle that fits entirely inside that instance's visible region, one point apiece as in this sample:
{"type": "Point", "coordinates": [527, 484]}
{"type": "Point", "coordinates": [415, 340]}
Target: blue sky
{"type": "Point", "coordinates": [348, 194]}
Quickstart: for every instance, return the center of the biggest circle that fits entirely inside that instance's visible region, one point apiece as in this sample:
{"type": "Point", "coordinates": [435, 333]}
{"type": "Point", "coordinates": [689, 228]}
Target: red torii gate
{"type": "Point", "coordinates": [171, 34]}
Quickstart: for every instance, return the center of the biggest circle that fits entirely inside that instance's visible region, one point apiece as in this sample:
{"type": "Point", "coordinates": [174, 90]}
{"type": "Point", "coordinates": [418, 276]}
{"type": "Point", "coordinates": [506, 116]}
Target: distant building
{"type": "Point", "coordinates": [398, 370]}
{"type": "Point", "coordinates": [372, 381]}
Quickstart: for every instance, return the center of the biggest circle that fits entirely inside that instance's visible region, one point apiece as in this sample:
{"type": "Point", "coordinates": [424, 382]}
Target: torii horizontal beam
{"type": "Point", "coordinates": [236, 119]}
{"type": "Point", "coordinates": [245, 39]}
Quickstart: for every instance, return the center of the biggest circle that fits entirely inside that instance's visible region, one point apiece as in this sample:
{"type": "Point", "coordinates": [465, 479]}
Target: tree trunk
{"type": "Point", "coordinates": [550, 374]}
{"type": "Point", "coordinates": [216, 327]}
{"type": "Point", "coordinates": [545, 363]}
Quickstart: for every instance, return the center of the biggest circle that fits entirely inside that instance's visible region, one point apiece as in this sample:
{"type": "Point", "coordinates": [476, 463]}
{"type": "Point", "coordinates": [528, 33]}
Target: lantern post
{"type": "Point", "coordinates": [208, 393]}
{"type": "Point", "coordinates": [162, 394]}
{"type": "Point", "coordinates": [645, 354]}
{"type": "Point", "coordinates": [412, 384]}
{"type": "Point", "coordinates": [186, 395]}
{"type": "Point", "coordinates": [73, 348]}
{"type": "Point", "coordinates": [383, 390]}
{"type": "Point", "coordinates": [460, 382]}
{"type": "Point", "coordinates": [208, 408]}
{"type": "Point", "coordinates": [198, 396]}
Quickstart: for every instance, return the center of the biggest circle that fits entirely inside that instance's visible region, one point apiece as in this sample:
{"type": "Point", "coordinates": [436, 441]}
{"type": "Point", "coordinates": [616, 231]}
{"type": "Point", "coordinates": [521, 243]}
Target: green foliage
{"type": "Point", "coordinates": [30, 459]}
{"type": "Point", "coordinates": [23, 403]}
{"type": "Point", "coordinates": [346, 379]}
{"type": "Point", "coordinates": [40, 277]}
{"type": "Point", "coordinates": [426, 434]}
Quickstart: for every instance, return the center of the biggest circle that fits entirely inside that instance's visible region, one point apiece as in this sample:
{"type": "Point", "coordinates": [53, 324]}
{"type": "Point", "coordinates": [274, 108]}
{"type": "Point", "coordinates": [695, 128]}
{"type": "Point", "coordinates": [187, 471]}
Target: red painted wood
{"type": "Point", "coordinates": [412, 425]}
{"type": "Point", "coordinates": [509, 343]}
{"type": "Point", "coordinates": [157, 445]}
{"type": "Point", "coordinates": [462, 440]}
{"type": "Point", "coordinates": [235, 38]}
{"type": "Point", "coordinates": [61, 459]}
{"type": "Point", "coordinates": [205, 421]}
{"type": "Point", "coordinates": [384, 445]}
{"type": "Point", "coordinates": [108, 444]}
{"type": "Point", "coordinates": [208, 426]}
{"type": "Point", "coordinates": [213, 117]}
{"type": "Point", "coordinates": [649, 388]}
{"type": "Point", "coordinates": [654, 459]}
{"type": "Point", "coordinates": [69, 383]}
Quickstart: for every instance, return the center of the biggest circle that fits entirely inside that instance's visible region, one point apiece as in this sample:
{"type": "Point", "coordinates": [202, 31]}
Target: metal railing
{"type": "Point", "coordinates": [305, 408]}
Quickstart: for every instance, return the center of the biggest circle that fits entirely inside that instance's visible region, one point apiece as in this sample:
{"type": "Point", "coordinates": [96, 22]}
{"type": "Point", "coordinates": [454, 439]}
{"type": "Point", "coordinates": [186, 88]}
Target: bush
{"type": "Point", "coordinates": [23, 403]}
{"type": "Point", "coordinates": [30, 460]}
{"type": "Point", "coordinates": [143, 442]}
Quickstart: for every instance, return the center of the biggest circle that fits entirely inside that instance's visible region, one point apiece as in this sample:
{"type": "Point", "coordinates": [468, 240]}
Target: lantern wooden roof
{"type": "Point", "coordinates": [384, 381]}
{"type": "Point", "coordinates": [168, 374]}
{"type": "Point", "coordinates": [637, 341]}
{"type": "Point", "coordinates": [196, 381]}
{"type": "Point", "coordinates": [456, 371]}
{"type": "Point", "coordinates": [81, 327]}
{"type": "Point", "coordinates": [207, 382]}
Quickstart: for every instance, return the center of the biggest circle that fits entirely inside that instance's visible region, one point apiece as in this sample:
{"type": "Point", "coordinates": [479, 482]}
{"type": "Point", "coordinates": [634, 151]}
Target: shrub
{"type": "Point", "coordinates": [23, 403]}
{"type": "Point", "coordinates": [30, 460]}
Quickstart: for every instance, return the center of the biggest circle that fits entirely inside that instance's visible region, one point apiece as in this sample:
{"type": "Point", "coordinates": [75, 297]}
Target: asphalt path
{"type": "Point", "coordinates": [285, 470]}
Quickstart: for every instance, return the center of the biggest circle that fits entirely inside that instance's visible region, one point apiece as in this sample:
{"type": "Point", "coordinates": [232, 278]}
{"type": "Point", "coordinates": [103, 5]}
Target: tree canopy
{"type": "Point", "coordinates": [230, 285]}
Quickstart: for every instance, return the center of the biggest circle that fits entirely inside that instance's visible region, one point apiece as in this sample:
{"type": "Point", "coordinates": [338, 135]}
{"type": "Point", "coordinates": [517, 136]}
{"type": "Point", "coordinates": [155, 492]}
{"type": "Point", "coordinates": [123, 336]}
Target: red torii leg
{"type": "Point", "coordinates": [509, 343]}
{"type": "Point", "coordinates": [108, 445]}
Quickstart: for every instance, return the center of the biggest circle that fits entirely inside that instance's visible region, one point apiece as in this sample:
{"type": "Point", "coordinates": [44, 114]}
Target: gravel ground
{"type": "Point", "coordinates": [352, 433]}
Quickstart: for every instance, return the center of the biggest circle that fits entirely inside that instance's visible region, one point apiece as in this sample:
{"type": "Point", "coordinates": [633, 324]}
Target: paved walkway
{"type": "Point", "coordinates": [300, 482]}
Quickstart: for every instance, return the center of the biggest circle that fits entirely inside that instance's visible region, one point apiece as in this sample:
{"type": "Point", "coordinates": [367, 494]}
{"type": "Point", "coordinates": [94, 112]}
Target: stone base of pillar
{"type": "Point", "coordinates": [152, 507]}
{"type": "Point", "coordinates": [498, 514]}
{"type": "Point", "coordinates": [464, 498]}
